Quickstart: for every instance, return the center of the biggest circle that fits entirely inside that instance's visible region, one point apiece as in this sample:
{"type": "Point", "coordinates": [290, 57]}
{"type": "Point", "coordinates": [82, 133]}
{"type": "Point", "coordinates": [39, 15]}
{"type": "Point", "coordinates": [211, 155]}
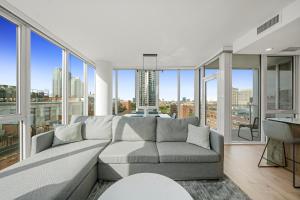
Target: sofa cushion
{"type": "Point", "coordinates": [134, 128]}
{"type": "Point", "coordinates": [129, 152]}
{"type": "Point", "coordinates": [198, 135]}
{"type": "Point", "coordinates": [51, 174]}
{"type": "Point", "coordinates": [169, 130]}
{"type": "Point", "coordinates": [174, 152]}
{"type": "Point", "coordinates": [64, 134]}
{"type": "Point", "coordinates": [98, 127]}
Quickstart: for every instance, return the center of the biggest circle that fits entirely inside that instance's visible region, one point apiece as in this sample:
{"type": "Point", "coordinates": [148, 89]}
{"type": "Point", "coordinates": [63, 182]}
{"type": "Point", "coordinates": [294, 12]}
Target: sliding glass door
{"type": "Point", "coordinates": [245, 98]}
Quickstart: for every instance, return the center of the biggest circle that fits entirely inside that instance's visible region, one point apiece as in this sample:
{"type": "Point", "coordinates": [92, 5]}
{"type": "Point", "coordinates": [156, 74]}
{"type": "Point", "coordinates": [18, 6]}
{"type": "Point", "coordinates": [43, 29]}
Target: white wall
{"type": "Point", "coordinates": [103, 99]}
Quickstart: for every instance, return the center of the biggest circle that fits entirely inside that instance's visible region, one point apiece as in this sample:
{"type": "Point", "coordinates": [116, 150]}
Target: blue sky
{"type": "Point", "coordinates": [8, 62]}
{"type": "Point", "coordinates": [45, 57]}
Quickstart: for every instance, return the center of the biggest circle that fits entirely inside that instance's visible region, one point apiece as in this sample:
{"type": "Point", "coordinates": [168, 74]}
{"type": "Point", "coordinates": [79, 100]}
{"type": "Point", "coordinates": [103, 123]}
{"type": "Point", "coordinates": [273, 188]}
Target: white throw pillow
{"type": "Point", "coordinates": [64, 134]}
{"type": "Point", "coordinates": [199, 136]}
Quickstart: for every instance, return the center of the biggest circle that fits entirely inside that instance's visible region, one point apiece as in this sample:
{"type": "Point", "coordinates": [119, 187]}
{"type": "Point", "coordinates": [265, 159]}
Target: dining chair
{"type": "Point", "coordinates": [253, 128]}
{"type": "Point", "coordinates": [282, 132]}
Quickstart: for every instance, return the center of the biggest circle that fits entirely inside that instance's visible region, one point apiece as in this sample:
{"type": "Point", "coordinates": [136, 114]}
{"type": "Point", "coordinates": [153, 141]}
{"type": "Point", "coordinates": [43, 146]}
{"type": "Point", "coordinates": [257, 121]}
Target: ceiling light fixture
{"type": "Point", "coordinates": [150, 62]}
{"type": "Point", "coordinates": [269, 49]}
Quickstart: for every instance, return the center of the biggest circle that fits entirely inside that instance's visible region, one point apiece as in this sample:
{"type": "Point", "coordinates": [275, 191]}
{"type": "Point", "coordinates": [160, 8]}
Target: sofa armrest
{"type": "Point", "coordinates": [217, 143]}
{"type": "Point", "coordinates": [41, 142]}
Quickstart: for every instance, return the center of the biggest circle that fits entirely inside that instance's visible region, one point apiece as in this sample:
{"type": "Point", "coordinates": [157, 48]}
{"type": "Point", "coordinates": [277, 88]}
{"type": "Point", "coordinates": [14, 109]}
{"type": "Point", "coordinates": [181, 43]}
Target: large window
{"type": "Point", "coordinates": [8, 67]}
{"type": "Point", "coordinates": [126, 92]}
{"type": "Point", "coordinates": [136, 90]}
{"type": "Point", "coordinates": [280, 83]}
{"type": "Point", "coordinates": [9, 130]}
{"type": "Point", "coordinates": [46, 84]}
{"type": "Point", "coordinates": [187, 106]}
{"type": "Point", "coordinates": [76, 86]}
{"type": "Point", "coordinates": [91, 75]}
{"type": "Point", "coordinates": [168, 103]}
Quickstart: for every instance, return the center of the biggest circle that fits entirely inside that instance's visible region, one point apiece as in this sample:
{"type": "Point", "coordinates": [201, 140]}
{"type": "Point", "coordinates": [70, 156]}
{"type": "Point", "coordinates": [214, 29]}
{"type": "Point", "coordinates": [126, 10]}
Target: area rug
{"type": "Point", "coordinates": [223, 189]}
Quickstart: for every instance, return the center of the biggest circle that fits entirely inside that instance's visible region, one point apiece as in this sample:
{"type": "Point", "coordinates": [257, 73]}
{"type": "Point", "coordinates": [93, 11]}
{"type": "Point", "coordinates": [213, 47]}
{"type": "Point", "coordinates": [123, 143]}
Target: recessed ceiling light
{"type": "Point", "coordinates": [269, 49]}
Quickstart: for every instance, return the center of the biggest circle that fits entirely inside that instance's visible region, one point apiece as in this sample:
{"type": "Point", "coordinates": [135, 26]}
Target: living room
{"type": "Point", "coordinates": [149, 99]}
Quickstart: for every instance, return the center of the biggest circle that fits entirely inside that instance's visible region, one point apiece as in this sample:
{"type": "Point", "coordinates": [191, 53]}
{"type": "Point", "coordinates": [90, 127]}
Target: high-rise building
{"type": "Point", "coordinates": [57, 82]}
{"type": "Point", "coordinates": [76, 87]}
{"type": "Point", "coordinates": [146, 86]}
{"type": "Point", "coordinates": [244, 96]}
{"type": "Point", "coordinates": [235, 96]}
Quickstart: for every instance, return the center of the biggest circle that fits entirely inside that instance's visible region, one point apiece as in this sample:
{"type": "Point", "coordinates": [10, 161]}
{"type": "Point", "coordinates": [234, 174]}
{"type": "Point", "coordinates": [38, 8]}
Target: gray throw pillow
{"type": "Point", "coordinates": [198, 136]}
{"type": "Point", "coordinates": [64, 134]}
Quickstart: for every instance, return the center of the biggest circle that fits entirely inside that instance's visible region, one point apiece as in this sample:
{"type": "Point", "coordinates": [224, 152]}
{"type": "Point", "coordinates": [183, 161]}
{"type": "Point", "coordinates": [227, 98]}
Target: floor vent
{"type": "Point", "coordinates": [268, 24]}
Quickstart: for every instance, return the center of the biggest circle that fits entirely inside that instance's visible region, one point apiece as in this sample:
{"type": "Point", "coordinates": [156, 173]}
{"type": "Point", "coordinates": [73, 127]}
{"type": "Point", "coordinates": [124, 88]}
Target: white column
{"type": "Point", "coordinates": [224, 96]}
{"type": "Point", "coordinates": [263, 100]}
{"type": "Point", "coordinates": [196, 92]}
{"type": "Point", "coordinates": [24, 91]}
{"type": "Point", "coordinates": [297, 85]}
{"type": "Point", "coordinates": [255, 101]}
{"type": "Point", "coordinates": [103, 99]}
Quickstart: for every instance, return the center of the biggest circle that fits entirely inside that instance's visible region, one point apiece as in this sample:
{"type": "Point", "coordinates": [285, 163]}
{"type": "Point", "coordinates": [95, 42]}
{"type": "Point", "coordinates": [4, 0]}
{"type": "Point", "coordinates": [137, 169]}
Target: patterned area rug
{"type": "Point", "coordinates": [223, 189]}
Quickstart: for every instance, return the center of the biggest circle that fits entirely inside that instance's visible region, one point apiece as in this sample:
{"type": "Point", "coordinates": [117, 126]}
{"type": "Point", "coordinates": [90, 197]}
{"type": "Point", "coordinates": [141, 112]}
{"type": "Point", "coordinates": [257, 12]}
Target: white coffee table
{"type": "Point", "coordinates": [146, 186]}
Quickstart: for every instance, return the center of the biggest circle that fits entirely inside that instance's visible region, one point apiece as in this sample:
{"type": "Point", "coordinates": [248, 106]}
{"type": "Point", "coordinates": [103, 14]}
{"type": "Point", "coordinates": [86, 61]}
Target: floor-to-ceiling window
{"type": "Point", "coordinates": [32, 86]}
{"type": "Point", "coordinates": [245, 98]}
{"type": "Point", "coordinates": [76, 86]}
{"type": "Point", "coordinates": [168, 102]}
{"type": "Point", "coordinates": [91, 81]}
{"type": "Point", "coordinates": [46, 84]}
{"type": "Point", "coordinates": [124, 94]}
{"type": "Point", "coordinates": [187, 104]}
{"type": "Point", "coordinates": [9, 129]}
{"type": "Point", "coordinates": [280, 86]}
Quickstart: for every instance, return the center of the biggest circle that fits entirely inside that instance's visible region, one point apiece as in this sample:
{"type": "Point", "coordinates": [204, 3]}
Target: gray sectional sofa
{"type": "Point", "coordinates": [113, 147]}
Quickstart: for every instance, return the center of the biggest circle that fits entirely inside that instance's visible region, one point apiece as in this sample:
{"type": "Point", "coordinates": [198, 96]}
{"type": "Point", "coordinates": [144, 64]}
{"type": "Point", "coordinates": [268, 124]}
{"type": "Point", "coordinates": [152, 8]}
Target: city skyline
{"type": "Point", "coordinates": [45, 56]}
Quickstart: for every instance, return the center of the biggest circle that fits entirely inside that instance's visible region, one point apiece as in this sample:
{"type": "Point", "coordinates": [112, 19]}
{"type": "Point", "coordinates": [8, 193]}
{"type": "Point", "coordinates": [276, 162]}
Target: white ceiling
{"type": "Point", "coordinates": [287, 36]}
{"type": "Point", "coordinates": [183, 33]}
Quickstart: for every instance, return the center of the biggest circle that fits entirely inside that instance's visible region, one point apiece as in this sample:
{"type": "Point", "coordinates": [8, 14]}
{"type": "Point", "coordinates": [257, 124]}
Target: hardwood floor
{"type": "Point", "coordinates": [240, 165]}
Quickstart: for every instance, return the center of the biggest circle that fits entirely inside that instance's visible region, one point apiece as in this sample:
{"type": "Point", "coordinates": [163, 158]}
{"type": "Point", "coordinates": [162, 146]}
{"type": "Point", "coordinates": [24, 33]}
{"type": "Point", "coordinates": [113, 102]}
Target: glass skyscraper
{"type": "Point", "coordinates": [146, 88]}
